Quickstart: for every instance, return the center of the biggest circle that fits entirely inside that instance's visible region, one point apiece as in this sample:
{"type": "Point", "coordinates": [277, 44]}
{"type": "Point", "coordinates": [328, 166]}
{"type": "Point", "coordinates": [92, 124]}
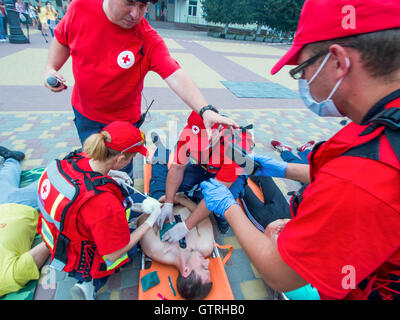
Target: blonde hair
{"type": "Point", "coordinates": [96, 149]}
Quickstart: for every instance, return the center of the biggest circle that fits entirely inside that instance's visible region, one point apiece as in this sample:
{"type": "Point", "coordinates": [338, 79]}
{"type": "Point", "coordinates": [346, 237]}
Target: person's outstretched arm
{"type": "Point", "coordinates": [261, 248]}
{"type": "Point", "coordinates": [298, 172]}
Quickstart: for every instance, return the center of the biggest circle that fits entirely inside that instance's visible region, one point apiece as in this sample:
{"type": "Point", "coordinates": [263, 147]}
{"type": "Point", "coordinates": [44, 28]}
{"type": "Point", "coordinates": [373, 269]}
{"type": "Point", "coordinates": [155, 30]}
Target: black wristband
{"type": "Point", "coordinates": [209, 107]}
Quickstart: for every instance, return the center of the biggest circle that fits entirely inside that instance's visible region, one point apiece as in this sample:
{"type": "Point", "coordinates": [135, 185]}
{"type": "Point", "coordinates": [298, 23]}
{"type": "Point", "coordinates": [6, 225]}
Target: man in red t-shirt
{"type": "Point", "coordinates": [211, 160]}
{"type": "Point", "coordinates": [112, 49]}
{"type": "Point", "coordinates": [343, 238]}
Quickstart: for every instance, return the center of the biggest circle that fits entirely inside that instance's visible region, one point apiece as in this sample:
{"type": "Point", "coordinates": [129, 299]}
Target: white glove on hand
{"type": "Point", "coordinates": [146, 206]}
{"type": "Point", "coordinates": [176, 233]}
{"type": "Point", "coordinates": [120, 176]}
{"type": "Point", "coordinates": [151, 206]}
{"type": "Point", "coordinates": [166, 212]}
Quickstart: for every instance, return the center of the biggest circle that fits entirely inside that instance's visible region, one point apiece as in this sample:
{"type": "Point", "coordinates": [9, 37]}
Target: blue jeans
{"type": "Point", "coordinates": [3, 34]}
{"type": "Point", "coordinates": [87, 127]}
{"type": "Point", "coordinates": [288, 156]}
{"type": "Point", "coordinates": [192, 178]}
{"type": "Point", "coordinates": [10, 192]}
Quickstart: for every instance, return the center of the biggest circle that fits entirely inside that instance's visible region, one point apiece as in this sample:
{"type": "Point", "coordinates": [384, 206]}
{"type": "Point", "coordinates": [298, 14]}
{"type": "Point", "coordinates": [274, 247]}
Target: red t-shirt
{"type": "Point", "coordinates": [108, 63]}
{"type": "Point", "coordinates": [226, 170]}
{"type": "Point", "coordinates": [347, 225]}
{"type": "Point", "coordinates": [103, 219]}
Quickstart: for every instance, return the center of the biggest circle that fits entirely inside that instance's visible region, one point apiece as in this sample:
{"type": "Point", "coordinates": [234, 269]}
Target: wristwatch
{"type": "Point", "coordinates": [209, 107]}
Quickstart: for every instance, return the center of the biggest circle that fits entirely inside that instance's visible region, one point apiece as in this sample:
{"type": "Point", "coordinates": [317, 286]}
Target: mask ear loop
{"type": "Point", "coordinates": [339, 82]}
{"type": "Point", "coordinates": [320, 68]}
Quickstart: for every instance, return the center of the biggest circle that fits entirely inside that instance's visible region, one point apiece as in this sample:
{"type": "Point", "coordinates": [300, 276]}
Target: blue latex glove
{"type": "Point", "coordinates": [270, 167]}
{"type": "Point", "coordinates": [218, 198]}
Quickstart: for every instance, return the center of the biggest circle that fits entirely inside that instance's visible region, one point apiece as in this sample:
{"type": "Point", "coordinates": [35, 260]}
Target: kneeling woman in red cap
{"type": "Point", "coordinates": [83, 218]}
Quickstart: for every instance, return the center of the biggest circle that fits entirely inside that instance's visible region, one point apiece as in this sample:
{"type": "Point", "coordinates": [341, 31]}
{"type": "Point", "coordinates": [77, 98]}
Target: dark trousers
{"type": "Point", "coordinates": [192, 178]}
{"type": "Point", "coordinates": [274, 206]}
{"type": "Point", "coordinates": [86, 127]}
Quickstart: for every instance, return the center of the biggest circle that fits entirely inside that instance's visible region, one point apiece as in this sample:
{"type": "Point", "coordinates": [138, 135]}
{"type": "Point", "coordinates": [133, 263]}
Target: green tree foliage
{"type": "Point", "coordinates": [225, 11]}
{"type": "Point", "coordinates": [282, 15]}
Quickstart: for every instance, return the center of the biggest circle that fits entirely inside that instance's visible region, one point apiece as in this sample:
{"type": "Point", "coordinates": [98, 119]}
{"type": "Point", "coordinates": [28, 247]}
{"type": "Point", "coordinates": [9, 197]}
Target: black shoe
{"type": "Point", "coordinates": [6, 154]}
{"type": "Point", "coordinates": [223, 225]}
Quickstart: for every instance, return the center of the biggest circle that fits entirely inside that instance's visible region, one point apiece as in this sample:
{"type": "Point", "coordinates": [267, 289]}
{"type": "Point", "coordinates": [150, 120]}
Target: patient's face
{"type": "Point", "coordinates": [199, 264]}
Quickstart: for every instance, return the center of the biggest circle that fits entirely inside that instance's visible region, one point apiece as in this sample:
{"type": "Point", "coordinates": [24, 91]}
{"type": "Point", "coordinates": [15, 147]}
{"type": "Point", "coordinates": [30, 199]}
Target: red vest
{"type": "Point", "coordinates": [232, 147]}
{"type": "Point", "coordinates": [63, 188]}
{"type": "Point", "coordinates": [378, 140]}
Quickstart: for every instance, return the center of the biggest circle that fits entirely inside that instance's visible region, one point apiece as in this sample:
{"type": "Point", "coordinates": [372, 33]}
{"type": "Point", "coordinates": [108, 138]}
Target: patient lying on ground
{"type": "Point", "coordinates": [192, 262]}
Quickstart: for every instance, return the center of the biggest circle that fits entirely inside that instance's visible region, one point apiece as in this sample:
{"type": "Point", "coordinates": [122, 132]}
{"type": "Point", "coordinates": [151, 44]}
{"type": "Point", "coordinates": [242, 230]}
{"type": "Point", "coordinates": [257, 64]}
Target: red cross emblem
{"type": "Point", "coordinates": [45, 189]}
{"type": "Point", "coordinates": [126, 59]}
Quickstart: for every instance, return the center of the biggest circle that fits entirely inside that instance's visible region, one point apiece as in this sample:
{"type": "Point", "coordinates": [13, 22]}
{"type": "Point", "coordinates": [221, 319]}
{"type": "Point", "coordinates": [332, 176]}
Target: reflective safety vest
{"type": "Point", "coordinates": [63, 188]}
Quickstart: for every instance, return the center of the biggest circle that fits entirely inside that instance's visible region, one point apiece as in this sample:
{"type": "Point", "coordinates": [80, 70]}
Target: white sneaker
{"type": "Point", "coordinates": [83, 291]}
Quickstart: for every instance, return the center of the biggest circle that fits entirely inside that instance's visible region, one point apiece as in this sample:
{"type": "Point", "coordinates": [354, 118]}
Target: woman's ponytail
{"type": "Point", "coordinates": [95, 147]}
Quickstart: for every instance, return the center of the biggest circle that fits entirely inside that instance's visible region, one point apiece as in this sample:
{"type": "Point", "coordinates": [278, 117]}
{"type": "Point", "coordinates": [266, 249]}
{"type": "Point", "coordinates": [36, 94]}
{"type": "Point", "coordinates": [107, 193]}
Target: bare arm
{"type": "Point", "coordinates": [174, 180]}
{"type": "Point", "coordinates": [261, 248]}
{"type": "Point", "coordinates": [186, 89]}
{"type": "Point", "coordinates": [298, 172]}
{"type": "Point", "coordinates": [58, 55]}
{"type": "Point", "coordinates": [40, 253]}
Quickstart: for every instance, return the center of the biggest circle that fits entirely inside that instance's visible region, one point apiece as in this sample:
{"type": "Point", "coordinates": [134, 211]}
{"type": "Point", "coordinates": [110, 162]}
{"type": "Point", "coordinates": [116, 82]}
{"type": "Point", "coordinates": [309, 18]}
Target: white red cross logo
{"type": "Point", "coordinates": [126, 59]}
{"type": "Point", "coordinates": [45, 189]}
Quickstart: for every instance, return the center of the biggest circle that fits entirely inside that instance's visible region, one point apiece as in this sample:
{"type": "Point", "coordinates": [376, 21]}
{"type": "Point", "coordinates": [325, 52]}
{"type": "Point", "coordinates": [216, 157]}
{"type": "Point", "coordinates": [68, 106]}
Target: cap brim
{"type": "Point", "coordinates": [290, 58]}
{"type": "Point", "coordinates": [142, 150]}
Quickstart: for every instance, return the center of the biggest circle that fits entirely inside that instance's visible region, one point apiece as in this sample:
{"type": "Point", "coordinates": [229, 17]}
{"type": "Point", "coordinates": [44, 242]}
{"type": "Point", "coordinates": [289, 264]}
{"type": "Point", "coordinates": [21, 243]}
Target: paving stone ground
{"type": "Point", "coordinates": [40, 123]}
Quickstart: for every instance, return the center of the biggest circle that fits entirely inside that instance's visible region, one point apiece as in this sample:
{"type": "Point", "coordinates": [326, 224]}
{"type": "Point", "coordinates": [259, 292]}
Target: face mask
{"type": "Point", "coordinates": [327, 107]}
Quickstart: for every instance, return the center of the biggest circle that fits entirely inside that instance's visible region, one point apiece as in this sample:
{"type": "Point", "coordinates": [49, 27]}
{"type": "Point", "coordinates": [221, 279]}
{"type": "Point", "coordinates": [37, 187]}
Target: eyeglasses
{"type": "Point", "coordinates": [138, 144]}
{"type": "Point", "coordinates": [298, 72]}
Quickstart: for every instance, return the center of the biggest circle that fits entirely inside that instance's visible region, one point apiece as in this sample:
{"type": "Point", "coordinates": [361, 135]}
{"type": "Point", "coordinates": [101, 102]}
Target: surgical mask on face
{"type": "Point", "coordinates": [327, 107]}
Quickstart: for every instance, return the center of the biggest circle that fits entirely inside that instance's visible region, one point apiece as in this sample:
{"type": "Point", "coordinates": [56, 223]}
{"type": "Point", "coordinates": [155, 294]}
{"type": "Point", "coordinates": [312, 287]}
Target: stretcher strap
{"type": "Point", "coordinates": [228, 255]}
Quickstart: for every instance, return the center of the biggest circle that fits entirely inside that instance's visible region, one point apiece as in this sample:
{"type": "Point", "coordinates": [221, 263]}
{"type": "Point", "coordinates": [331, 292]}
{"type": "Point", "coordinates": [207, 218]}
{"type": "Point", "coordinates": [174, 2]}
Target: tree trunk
{"type": "Point", "coordinates": [226, 28]}
{"type": "Point", "coordinates": [258, 29]}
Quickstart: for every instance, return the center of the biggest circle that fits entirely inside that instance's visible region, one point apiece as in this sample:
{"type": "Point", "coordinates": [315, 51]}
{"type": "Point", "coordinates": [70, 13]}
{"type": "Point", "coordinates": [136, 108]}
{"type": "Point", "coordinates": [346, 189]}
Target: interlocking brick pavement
{"type": "Point", "coordinates": [40, 123]}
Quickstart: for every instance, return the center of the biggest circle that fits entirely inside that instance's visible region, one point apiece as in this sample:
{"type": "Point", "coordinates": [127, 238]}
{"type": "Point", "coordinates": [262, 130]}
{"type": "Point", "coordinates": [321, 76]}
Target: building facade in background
{"type": "Point", "coordinates": [182, 11]}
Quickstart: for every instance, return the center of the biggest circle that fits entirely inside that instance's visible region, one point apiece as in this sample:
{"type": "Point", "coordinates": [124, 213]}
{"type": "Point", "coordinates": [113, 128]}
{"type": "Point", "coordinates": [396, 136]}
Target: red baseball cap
{"type": "Point", "coordinates": [126, 138]}
{"type": "Point", "coordinates": [195, 134]}
{"type": "Point", "coordinates": [331, 19]}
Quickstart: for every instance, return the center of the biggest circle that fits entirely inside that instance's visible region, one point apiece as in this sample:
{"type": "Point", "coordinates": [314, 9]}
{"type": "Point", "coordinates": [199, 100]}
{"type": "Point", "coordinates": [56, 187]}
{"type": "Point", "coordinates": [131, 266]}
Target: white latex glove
{"type": "Point", "coordinates": [147, 207]}
{"type": "Point", "coordinates": [120, 176]}
{"type": "Point", "coordinates": [166, 212]}
{"type": "Point", "coordinates": [151, 206]}
{"type": "Point", "coordinates": [176, 233]}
